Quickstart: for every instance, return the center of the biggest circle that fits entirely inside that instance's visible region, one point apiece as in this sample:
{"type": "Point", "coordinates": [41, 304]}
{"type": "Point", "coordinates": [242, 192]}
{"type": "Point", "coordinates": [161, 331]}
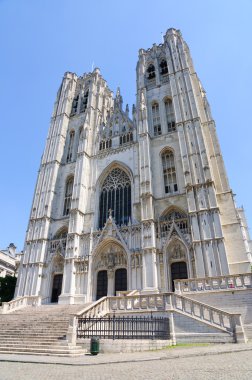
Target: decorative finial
{"type": "Point", "coordinates": [110, 213]}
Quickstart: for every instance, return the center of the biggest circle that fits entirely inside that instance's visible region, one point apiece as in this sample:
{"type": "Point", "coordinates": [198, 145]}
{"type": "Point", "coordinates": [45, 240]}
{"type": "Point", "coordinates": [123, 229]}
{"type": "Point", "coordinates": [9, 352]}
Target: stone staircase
{"type": "Point", "coordinates": [232, 302]}
{"type": "Point", "coordinates": [39, 330]}
{"type": "Point", "coordinates": [198, 313]}
{"type": "Point", "coordinates": [232, 294]}
{"type": "Point", "coordinates": [190, 320]}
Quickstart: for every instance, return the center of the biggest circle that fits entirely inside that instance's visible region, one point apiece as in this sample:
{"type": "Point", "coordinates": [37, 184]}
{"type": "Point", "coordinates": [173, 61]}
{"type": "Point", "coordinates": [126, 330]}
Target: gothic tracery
{"type": "Point", "coordinates": [115, 196]}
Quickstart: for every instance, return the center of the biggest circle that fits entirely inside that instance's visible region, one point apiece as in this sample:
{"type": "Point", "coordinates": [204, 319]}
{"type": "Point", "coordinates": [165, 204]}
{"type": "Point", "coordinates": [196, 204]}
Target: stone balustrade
{"type": "Point", "coordinates": [18, 303]}
{"type": "Point", "coordinates": [151, 302]}
{"type": "Point", "coordinates": [229, 282]}
{"type": "Point", "coordinates": [170, 302]}
{"type": "Point", "coordinates": [96, 309]}
{"type": "Point", "coordinates": [228, 322]}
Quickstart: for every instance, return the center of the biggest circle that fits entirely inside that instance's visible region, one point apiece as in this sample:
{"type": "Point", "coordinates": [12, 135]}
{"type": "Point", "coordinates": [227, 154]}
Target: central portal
{"type": "Point", "coordinates": [102, 284]}
{"type": "Point", "coordinates": [178, 272]}
{"type": "Point", "coordinates": [110, 270]}
{"type": "Point", "coordinates": [120, 280]}
{"type": "Point", "coordinates": [56, 288]}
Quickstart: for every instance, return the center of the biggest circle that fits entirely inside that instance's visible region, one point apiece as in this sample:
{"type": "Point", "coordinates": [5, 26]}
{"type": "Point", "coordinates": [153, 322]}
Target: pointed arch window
{"type": "Point", "coordinates": [169, 172]}
{"type": "Point", "coordinates": [126, 138]}
{"type": "Point", "coordinates": [68, 196]}
{"type": "Point", "coordinates": [70, 147]}
{"type": "Point", "coordinates": [59, 240]}
{"type": "Point", "coordinates": [163, 67]}
{"type": "Point", "coordinates": [75, 105]}
{"type": "Point", "coordinates": [156, 119]}
{"type": "Point", "coordinates": [151, 71]}
{"type": "Point", "coordinates": [105, 144]}
{"type": "Point", "coordinates": [84, 100]}
{"type": "Point", "coordinates": [61, 234]}
{"type": "Point", "coordinates": [170, 116]}
{"type": "Point", "coordinates": [116, 196]}
{"type": "Point", "coordinates": [178, 217]}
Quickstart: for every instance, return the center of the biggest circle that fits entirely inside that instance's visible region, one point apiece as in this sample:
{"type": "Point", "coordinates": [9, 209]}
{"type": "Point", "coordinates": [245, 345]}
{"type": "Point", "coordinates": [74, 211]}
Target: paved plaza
{"type": "Point", "coordinates": [226, 362]}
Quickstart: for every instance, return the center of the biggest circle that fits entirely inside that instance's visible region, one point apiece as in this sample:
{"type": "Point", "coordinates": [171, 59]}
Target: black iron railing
{"type": "Point", "coordinates": [124, 327]}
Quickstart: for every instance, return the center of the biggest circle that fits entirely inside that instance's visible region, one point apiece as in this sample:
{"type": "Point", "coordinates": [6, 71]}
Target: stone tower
{"type": "Point", "coordinates": [125, 203]}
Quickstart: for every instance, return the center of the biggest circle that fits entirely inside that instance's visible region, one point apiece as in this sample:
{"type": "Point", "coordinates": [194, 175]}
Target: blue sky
{"type": "Point", "coordinates": [42, 39]}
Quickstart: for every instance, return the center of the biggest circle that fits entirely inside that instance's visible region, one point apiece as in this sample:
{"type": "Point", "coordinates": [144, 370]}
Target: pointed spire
{"type": "Point", "coordinates": [133, 109]}
{"type": "Point", "coordinates": [127, 110]}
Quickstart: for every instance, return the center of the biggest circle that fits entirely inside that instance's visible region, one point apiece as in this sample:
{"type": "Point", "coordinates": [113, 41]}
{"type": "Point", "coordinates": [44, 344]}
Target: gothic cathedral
{"type": "Point", "coordinates": [126, 202]}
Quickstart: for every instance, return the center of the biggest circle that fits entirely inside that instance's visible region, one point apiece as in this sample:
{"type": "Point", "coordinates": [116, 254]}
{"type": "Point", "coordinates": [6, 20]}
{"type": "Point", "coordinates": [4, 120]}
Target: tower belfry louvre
{"type": "Point", "coordinates": [128, 201]}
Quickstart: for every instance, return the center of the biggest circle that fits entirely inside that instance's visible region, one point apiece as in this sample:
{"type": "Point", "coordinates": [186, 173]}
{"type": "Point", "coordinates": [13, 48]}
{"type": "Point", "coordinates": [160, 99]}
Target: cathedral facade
{"type": "Point", "coordinates": [126, 202]}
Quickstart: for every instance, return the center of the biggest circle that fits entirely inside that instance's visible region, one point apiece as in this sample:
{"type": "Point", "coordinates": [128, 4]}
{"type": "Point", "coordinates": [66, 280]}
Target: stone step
{"type": "Point", "coordinates": [34, 321]}
{"type": "Point", "coordinates": [33, 328]}
{"type": "Point", "coordinates": [34, 345]}
{"type": "Point", "coordinates": [42, 340]}
{"type": "Point", "coordinates": [33, 337]}
{"type": "Point", "coordinates": [40, 316]}
{"type": "Point", "coordinates": [35, 331]}
{"type": "Point", "coordinates": [203, 338]}
{"type": "Point", "coordinates": [70, 353]}
{"type": "Point", "coordinates": [42, 351]}
{"type": "Point", "coordinates": [34, 325]}
{"type": "Point", "coordinates": [42, 320]}
{"type": "Point", "coordinates": [37, 318]}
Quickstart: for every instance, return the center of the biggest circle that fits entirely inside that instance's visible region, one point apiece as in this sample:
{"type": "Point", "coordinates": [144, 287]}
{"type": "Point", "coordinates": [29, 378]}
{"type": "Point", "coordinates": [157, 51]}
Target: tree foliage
{"type": "Point", "coordinates": [7, 288]}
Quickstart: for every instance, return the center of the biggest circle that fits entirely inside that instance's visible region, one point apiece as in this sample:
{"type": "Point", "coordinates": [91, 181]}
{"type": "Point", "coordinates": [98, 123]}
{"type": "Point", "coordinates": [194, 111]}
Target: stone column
{"type": "Point", "coordinates": [111, 282]}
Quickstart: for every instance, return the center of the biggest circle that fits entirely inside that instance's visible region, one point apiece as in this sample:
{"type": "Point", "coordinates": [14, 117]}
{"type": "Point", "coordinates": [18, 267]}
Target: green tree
{"type": "Point", "coordinates": [7, 288]}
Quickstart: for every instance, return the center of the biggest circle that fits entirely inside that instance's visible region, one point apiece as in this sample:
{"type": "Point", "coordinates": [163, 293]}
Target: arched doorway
{"type": "Point", "coordinates": [57, 268]}
{"type": "Point", "coordinates": [109, 270]}
{"type": "Point", "coordinates": [178, 265]}
{"type": "Point", "coordinates": [102, 284]}
{"type": "Point", "coordinates": [178, 272]}
{"type": "Point", "coordinates": [120, 280]}
{"type": "Point", "coordinates": [56, 287]}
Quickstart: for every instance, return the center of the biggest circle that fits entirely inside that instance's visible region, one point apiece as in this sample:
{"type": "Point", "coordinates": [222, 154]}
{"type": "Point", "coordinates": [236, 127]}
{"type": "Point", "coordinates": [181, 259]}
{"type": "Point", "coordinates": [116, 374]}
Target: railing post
{"type": "Point", "coordinates": [39, 301]}
{"type": "Point", "coordinates": [211, 282]}
{"type": "Point", "coordinates": [226, 281]}
{"type": "Point", "coordinates": [242, 280]}
{"type": "Point", "coordinates": [113, 323]}
{"type": "Point", "coordinates": [72, 331]}
{"type": "Point", "coordinates": [152, 332]}
{"type": "Point", "coordinates": [177, 287]}
{"type": "Point", "coordinates": [238, 330]}
{"type": "Point", "coordinates": [5, 307]}
{"type": "Point", "coordinates": [172, 329]}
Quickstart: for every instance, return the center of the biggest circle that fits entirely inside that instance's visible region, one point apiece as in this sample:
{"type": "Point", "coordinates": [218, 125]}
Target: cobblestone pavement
{"type": "Point", "coordinates": [148, 366]}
